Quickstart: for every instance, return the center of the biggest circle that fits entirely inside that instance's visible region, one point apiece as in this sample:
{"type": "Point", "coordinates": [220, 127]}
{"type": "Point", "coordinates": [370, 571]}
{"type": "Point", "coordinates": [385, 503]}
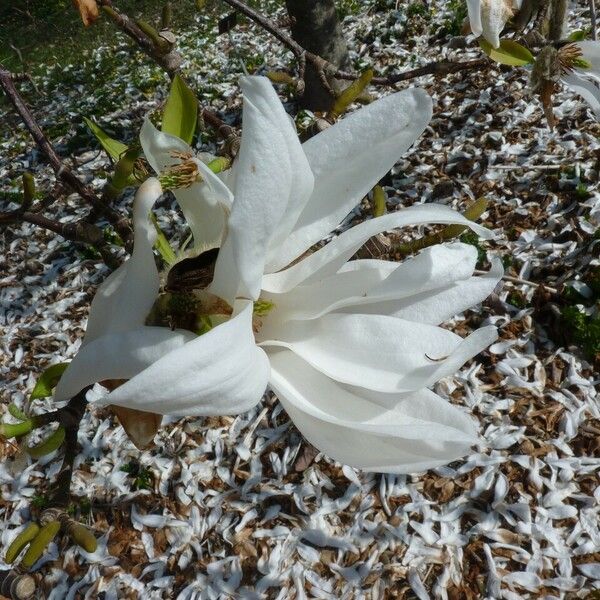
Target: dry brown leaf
{"type": "Point", "coordinates": [140, 426]}
{"type": "Point", "coordinates": [88, 9]}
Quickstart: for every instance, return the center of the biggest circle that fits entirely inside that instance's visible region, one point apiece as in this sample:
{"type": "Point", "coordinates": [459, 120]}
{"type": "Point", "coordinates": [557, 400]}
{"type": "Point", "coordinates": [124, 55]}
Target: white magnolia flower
{"type": "Point", "coordinates": [581, 71]}
{"type": "Point", "coordinates": [204, 199]}
{"type": "Point", "coordinates": [488, 17]}
{"type": "Point", "coordinates": [348, 346]}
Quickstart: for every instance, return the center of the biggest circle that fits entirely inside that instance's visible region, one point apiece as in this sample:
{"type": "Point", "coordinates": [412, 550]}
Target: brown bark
{"type": "Point", "coordinates": [316, 27]}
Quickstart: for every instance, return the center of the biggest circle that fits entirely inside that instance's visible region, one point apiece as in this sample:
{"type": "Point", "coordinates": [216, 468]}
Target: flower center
{"type": "Point", "coordinates": [181, 175]}
{"type": "Point", "coordinates": [569, 57]}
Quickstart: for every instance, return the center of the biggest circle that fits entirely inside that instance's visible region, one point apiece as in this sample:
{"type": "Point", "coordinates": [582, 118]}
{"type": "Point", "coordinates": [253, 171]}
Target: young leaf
{"type": "Point", "coordinates": [181, 111]}
{"type": "Point", "coordinates": [162, 244]}
{"type": "Point", "coordinates": [48, 380]}
{"type": "Point", "coordinates": [509, 53]}
{"type": "Point", "coordinates": [113, 148]}
{"type": "Point", "coordinates": [578, 35]}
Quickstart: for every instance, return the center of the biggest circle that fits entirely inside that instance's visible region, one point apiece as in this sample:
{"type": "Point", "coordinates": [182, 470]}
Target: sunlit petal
{"type": "Point", "coordinates": [416, 432]}
{"type": "Point", "coordinates": [349, 158]}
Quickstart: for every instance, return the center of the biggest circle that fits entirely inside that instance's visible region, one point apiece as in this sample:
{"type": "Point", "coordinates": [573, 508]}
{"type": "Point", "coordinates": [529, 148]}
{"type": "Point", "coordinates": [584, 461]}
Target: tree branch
{"type": "Point", "coordinates": [62, 171]}
{"type": "Point", "coordinates": [329, 70]}
{"type": "Point", "coordinates": [170, 62]}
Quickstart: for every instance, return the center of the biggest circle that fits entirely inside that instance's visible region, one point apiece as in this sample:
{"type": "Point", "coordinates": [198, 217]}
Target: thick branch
{"type": "Point", "coordinates": [170, 61]}
{"type": "Point", "coordinates": [62, 171]}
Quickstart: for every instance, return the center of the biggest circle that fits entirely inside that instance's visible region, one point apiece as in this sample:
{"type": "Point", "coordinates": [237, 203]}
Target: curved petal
{"type": "Point", "coordinates": [586, 89]}
{"type": "Point", "coordinates": [124, 299]}
{"type": "Point", "coordinates": [474, 10]}
{"type": "Point", "coordinates": [435, 268]}
{"type": "Point", "coordinates": [118, 356]}
{"type": "Point", "coordinates": [221, 372]}
{"type": "Point", "coordinates": [159, 146]}
{"type": "Point", "coordinates": [439, 305]}
{"type": "Point", "coordinates": [378, 352]}
{"type": "Point", "coordinates": [494, 15]}
{"type": "Point", "coordinates": [263, 187]}
{"type": "Point", "coordinates": [204, 204]}
{"type": "Point", "coordinates": [349, 158]}
{"type": "Point", "coordinates": [421, 431]}
{"type": "Point", "coordinates": [204, 214]}
{"type": "Point", "coordinates": [329, 259]}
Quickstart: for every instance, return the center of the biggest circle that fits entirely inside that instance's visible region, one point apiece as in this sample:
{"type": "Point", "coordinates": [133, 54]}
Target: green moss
{"type": "Point", "coordinates": [142, 477]}
{"type": "Point", "coordinates": [583, 330]}
{"type": "Point", "coordinates": [40, 501]}
{"type": "Point", "coordinates": [517, 299]}
{"type": "Point", "coordinates": [453, 24]}
{"type": "Point", "coordinates": [581, 191]}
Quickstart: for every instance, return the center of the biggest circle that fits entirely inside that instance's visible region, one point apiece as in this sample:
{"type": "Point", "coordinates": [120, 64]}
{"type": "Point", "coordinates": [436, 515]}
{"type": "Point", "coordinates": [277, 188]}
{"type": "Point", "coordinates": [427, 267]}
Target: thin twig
{"type": "Point", "coordinates": [327, 69]}
{"type": "Point", "coordinates": [520, 281]}
{"type": "Point", "coordinates": [170, 62]}
{"type": "Point", "coordinates": [61, 170]}
{"type": "Point", "coordinates": [71, 416]}
{"type": "Point", "coordinates": [593, 18]}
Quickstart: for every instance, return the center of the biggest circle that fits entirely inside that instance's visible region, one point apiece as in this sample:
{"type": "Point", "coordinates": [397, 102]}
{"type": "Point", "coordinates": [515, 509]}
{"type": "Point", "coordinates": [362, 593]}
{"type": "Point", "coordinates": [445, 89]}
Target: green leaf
{"type": "Point", "coordinates": [162, 244]}
{"type": "Point", "coordinates": [113, 148]}
{"type": "Point", "coordinates": [509, 53]}
{"type": "Point", "coordinates": [578, 35]}
{"type": "Point", "coordinates": [181, 111]}
{"type": "Point", "coordinates": [48, 380]}
{"type": "Point", "coordinates": [16, 412]}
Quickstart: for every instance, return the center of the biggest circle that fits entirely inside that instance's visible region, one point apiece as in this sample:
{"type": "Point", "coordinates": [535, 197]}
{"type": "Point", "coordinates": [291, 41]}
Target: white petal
{"type": "Point", "coordinates": [204, 214]}
{"type": "Point", "coordinates": [420, 432]}
{"type": "Point", "coordinates": [159, 146]}
{"type": "Point", "coordinates": [494, 15]}
{"type": "Point", "coordinates": [124, 299]}
{"type": "Point", "coordinates": [347, 287]}
{"type": "Point", "coordinates": [376, 281]}
{"type": "Point", "coordinates": [349, 158]}
{"type": "Point", "coordinates": [378, 352]}
{"type": "Point", "coordinates": [328, 260]}
{"type": "Point", "coordinates": [204, 204]}
{"type": "Point", "coordinates": [221, 372]}
{"type": "Point", "coordinates": [586, 89]}
{"type": "Point", "coordinates": [474, 10]}
{"type": "Point", "coordinates": [263, 188]}
{"type": "Point", "coordinates": [118, 356]}
{"type": "Point", "coordinates": [437, 306]}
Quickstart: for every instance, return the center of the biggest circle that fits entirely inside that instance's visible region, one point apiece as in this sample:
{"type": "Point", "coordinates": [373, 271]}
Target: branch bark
{"type": "Point", "coordinates": [61, 170]}
{"type": "Point", "coordinates": [326, 69]}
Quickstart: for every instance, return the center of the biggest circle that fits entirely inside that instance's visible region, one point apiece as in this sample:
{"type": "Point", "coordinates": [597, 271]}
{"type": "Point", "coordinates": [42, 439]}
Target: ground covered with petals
{"type": "Point", "coordinates": [242, 506]}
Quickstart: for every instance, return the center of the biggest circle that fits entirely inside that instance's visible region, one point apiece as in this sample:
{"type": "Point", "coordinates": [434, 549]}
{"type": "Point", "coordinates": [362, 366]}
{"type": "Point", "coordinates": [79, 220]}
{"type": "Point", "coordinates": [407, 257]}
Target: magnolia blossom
{"type": "Point", "coordinates": [349, 346]}
{"type": "Point", "coordinates": [580, 64]}
{"type": "Point", "coordinates": [203, 198]}
{"type": "Point", "coordinates": [488, 17]}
